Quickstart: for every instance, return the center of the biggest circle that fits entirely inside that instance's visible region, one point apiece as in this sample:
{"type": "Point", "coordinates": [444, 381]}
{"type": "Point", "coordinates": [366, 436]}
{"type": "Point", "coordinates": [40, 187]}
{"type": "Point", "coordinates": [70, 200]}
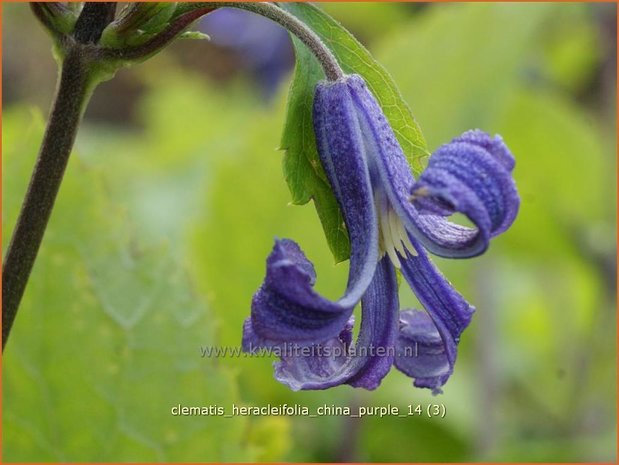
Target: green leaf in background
{"type": "Point", "coordinates": [302, 169]}
{"type": "Point", "coordinates": [536, 283]}
{"type": "Point", "coordinates": [108, 336]}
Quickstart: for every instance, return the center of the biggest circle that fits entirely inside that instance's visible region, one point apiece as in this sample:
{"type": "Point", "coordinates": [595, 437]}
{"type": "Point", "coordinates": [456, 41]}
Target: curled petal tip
{"type": "Point", "coordinates": [471, 175]}
{"type": "Point", "coordinates": [421, 352]}
{"type": "Point", "coordinates": [427, 341]}
{"type": "Point", "coordinates": [340, 361]}
{"type": "Point", "coordinates": [286, 308]}
{"type": "Point", "coordinates": [495, 145]}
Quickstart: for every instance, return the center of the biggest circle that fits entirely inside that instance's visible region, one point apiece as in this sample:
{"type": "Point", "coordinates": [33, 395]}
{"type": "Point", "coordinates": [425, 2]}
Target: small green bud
{"type": "Point", "coordinates": [137, 23]}
{"type": "Point", "coordinates": [57, 17]}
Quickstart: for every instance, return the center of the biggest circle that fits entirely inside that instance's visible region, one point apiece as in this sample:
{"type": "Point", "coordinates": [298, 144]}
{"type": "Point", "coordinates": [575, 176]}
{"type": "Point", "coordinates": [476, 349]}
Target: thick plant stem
{"type": "Point", "coordinates": [92, 21]}
{"type": "Point", "coordinates": [72, 94]}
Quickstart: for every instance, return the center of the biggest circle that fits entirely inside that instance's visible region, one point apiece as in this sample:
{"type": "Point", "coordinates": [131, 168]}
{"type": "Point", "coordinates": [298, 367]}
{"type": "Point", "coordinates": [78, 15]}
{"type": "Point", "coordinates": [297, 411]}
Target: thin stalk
{"type": "Point", "coordinates": [329, 64]}
{"type": "Point", "coordinates": [72, 94]}
{"type": "Point", "coordinates": [189, 12]}
{"type": "Point", "coordinates": [154, 45]}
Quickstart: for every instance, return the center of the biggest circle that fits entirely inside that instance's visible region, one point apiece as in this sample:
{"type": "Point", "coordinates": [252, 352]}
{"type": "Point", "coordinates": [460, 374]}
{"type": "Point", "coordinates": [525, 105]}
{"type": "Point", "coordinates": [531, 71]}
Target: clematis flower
{"type": "Point", "coordinates": [392, 221]}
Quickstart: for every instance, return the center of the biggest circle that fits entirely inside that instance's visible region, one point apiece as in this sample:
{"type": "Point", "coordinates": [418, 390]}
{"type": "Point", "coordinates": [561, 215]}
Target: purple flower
{"type": "Point", "coordinates": [263, 46]}
{"type": "Point", "coordinates": [392, 220]}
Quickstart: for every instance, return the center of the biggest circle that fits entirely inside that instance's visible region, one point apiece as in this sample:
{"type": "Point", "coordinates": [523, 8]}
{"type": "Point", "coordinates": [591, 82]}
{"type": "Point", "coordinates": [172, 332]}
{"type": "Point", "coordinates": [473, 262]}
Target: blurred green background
{"type": "Point", "coordinates": [174, 195]}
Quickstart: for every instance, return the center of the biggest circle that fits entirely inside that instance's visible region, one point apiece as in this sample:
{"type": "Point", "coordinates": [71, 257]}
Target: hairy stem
{"type": "Point", "coordinates": [72, 95]}
{"type": "Point", "coordinates": [92, 21]}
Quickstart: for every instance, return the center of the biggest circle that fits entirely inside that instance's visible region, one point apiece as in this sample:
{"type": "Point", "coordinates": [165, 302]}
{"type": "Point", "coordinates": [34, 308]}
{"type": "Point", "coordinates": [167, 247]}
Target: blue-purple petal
{"type": "Point", "coordinates": [448, 312]}
{"type": "Point", "coordinates": [337, 361]}
{"type": "Point", "coordinates": [286, 309]}
{"type": "Point", "coordinates": [390, 166]}
{"type": "Point", "coordinates": [339, 141]}
{"type": "Point", "coordinates": [472, 175]}
{"type": "Point", "coordinates": [493, 145]}
{"type": "Point", "coordinates": [420, 350]}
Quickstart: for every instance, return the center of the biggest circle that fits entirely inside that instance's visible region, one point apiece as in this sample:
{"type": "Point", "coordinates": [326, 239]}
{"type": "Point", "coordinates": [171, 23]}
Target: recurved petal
{"type": "Point", "coordinates": [420, 351]}
{"type": "Point", "coordinates": [340, 145]}
{"type": "Point", "coordinates": [448, 314]}
{"type": "Point", "coordinates": [435, 232]}
{"type": "Point", "coordinates": [286, 309]}
{"type": "Point", "coordinates": [319, 366]}
{"type": "Point", "coordinates": [472, 175]}
{"type": "Point", "coordinates": [493, 145]}
{"type": "Point", "coordinates": [337, 361]}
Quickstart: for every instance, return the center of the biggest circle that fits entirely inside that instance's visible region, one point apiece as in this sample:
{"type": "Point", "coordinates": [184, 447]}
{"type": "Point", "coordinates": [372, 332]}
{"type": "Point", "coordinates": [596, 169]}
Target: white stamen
{"type": "Point", "coordinates": [392, 238]}
{"type": "Point", "coordinates": [406, 241]}
{"type": "Point", "coordinates": [395, 226]}
{"type": "Point", "coordinates": [386, 236]}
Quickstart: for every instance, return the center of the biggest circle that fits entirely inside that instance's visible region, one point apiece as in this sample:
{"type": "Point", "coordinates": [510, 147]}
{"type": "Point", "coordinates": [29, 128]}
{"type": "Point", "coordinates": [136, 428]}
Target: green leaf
{"type": "Point", "coordinates": [137, 23]}
{"type": "Point", "coordinates": [61, 18]}
{"type": "Point", "coordinates": [159, 18]}
{"type": "Point", "coordinates": [108, 336]}
{"type": "Point", "coordinates": [302, 170]}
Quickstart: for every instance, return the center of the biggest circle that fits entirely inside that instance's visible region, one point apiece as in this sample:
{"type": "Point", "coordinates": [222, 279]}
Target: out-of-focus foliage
{"type": "Point", "coordinates": [160, 234]}
{"type": "Point", "coordinates": [108, 336]}
{"type": "Point", "coordinates": [549, 281]}
{"type": "Point", "coordinates": [369, 20]}
{"type": "Point", "coordinates": [264, 46]}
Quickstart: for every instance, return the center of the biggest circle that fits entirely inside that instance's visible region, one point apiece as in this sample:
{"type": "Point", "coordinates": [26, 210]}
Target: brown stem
{"type": "Point", "coordinates": [71, 96]}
